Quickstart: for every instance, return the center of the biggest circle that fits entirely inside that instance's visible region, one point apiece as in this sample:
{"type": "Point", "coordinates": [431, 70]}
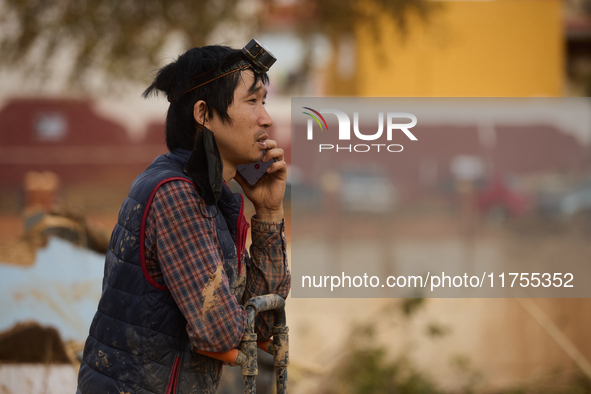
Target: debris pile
{"type": "Point", "coordinates": [42, 219]}
{"type": "Point", "coordinates": [31, 343]}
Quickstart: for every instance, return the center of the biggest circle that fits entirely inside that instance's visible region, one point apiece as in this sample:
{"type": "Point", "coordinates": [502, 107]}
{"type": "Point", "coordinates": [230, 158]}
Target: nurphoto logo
{"type": "Point", "coordinates": [345, 130]}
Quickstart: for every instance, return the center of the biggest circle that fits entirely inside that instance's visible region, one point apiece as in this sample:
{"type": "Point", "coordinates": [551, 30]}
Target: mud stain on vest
{"type": "Point", "coordinates": [102, 359]}
{"type": "Point", "coordinates": [133, 340]}
{"type": "Point", "coordinates": [209, 297]}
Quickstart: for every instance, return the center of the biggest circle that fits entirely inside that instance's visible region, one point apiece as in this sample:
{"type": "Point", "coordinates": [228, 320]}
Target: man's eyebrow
{"type": "Point", "coordinates": [256, 87]}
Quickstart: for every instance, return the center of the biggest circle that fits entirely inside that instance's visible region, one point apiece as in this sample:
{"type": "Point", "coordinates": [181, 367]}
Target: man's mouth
{"type": "Point", "coordinates": [261, 141]}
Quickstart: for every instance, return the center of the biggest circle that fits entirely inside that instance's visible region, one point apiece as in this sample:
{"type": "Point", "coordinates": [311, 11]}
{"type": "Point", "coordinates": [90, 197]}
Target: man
{"type": "Point", "coordinates": [177, 272]}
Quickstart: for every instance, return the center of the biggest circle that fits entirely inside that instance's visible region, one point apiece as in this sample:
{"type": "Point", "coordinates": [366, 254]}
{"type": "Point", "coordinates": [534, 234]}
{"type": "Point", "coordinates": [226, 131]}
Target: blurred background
{"type": "Point", "coordinates": [74, 132]}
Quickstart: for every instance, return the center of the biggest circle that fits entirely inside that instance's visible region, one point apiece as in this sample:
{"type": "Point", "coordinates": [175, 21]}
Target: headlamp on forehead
{"type": "Point", "coordinates": [260, 59]}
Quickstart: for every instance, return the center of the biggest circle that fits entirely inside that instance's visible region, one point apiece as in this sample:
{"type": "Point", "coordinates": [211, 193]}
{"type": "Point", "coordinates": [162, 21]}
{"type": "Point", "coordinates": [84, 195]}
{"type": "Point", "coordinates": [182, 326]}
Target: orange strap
{"type": "Point", "coordinates": [264, 346]}
{"type": "Point", "coordinates": [229, 356]}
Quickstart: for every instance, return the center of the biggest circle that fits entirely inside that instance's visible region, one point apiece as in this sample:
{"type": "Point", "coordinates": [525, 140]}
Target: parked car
{"type": "Point", "coordinates": [367, 191]}
{"type": "Point", "coordinates": [575, 202]}
{"type": "Point", "coordinates": [566, 204]}
{"type": "Point", "coordinates": [502, 198]}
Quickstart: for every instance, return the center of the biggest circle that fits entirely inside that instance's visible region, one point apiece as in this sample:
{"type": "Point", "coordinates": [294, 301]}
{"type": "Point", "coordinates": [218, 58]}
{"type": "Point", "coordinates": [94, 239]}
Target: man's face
{"type": "Point", "coordinates": [242, 141]}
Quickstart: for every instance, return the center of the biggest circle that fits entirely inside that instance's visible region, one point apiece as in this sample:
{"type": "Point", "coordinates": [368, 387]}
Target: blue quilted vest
{"type": "Point", "coordinates": [138, 341]}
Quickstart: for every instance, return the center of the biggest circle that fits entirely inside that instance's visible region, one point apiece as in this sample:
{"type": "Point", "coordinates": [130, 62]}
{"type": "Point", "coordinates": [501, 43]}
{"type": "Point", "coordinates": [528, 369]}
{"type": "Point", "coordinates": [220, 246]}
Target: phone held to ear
{"type": "Point", "coordinates": [254, 172]}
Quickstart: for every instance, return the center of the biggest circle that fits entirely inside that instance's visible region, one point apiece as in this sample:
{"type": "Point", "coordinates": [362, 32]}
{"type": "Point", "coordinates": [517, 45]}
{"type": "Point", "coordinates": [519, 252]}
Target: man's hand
{"type": "Point", "coordinates": [267, 194]}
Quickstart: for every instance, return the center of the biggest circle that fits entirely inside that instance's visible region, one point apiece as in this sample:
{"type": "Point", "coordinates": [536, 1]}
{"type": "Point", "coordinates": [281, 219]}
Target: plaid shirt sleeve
{"type": "Point", "coordinates": [182, 252]}
{"type": "Point", "coordinates": [182, 243]}
{"type": "Point", "coordinates": [268, 272]}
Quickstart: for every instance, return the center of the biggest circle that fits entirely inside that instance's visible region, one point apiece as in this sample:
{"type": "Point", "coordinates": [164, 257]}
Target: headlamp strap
{"type": "Point", "coordinates": [212, 75]}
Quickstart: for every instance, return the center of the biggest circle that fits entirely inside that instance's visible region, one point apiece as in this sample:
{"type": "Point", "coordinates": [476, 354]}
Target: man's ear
{"type": "Point", "coordinates": [200, 112]}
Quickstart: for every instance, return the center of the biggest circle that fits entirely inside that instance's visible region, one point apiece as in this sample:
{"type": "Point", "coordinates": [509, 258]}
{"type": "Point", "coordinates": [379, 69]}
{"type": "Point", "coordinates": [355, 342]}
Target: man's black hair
{"type": "Point", "coordinates": [173, 81]}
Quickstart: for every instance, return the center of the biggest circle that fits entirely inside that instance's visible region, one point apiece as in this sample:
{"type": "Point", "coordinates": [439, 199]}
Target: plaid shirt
{"type": "Point", "coordinates": [182, 251]}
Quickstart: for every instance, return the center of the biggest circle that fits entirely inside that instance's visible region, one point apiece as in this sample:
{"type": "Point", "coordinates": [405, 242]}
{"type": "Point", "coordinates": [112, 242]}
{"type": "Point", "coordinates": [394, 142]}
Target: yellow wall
{"type": "Point", "coordinates": [468, 48]}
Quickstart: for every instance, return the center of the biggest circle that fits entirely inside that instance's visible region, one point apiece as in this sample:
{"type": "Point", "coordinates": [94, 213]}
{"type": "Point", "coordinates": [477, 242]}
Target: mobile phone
{"type": "Point", "coordinates": [254, 172]}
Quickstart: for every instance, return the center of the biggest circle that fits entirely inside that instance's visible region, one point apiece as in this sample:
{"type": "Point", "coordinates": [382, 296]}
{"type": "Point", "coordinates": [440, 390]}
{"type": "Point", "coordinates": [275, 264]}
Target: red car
{"type": "Point", "coordinates": [501, 198]}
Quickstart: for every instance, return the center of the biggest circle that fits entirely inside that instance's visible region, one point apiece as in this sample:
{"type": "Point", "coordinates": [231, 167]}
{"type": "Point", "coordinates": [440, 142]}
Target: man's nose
{"type": "Point", "coordinates": [265, 119]}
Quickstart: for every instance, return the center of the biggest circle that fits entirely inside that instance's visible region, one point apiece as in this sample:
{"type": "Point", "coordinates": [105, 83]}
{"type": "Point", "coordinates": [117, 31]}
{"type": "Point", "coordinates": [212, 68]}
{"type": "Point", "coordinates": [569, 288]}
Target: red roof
{"type": "Point", "coordinates": [68, 137]}
{"type": "Point", "coordinates": [43, 122]}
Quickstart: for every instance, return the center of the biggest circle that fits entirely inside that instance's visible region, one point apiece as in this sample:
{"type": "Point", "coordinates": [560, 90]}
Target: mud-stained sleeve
{"type": "Point", "coordinates": [192, 266]}
{"type": "Point", "coordinates": [268, 272]}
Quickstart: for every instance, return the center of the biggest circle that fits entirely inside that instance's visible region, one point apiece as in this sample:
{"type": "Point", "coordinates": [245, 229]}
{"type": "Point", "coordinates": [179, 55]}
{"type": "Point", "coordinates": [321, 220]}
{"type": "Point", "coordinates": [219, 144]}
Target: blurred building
{"type": "Point", "coordinates": [71, 139]}
{"type": "Point", "coordinates": [467, 48]}
{"type": "Point", "coordinates": [500, 48]}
